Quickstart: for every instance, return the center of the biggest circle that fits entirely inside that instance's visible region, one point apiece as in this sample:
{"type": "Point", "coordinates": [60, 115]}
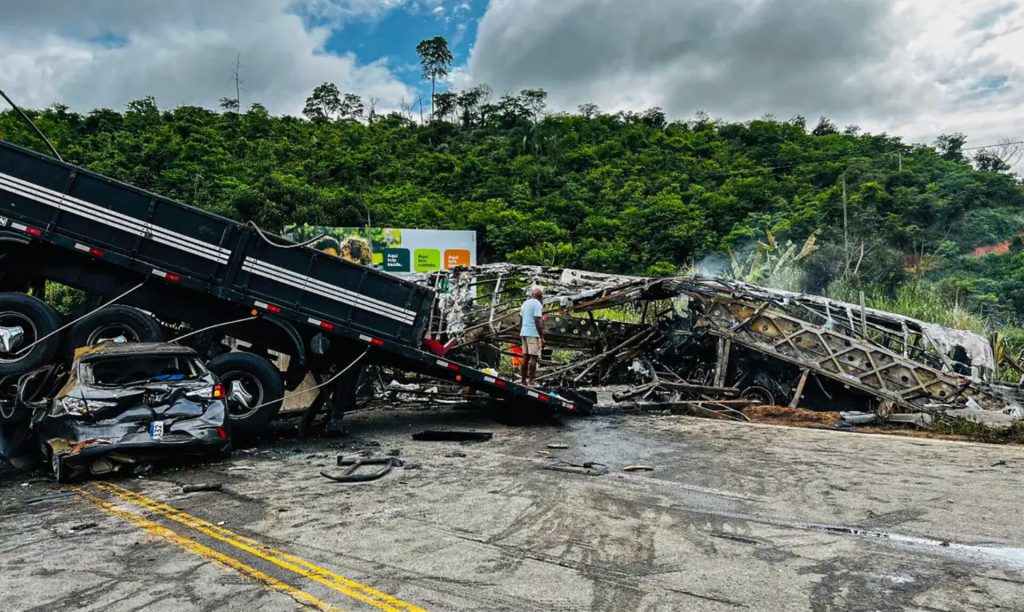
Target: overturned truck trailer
{"type": "Point", "coordinates": [720, 340]}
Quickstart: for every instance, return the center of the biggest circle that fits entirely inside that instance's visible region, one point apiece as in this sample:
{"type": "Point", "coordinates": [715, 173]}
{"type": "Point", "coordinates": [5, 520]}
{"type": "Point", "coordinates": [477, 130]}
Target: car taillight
{"type": "Point", "coordinates": [219, 392]}
{"type": "Point", "coordinates": [222, 433]}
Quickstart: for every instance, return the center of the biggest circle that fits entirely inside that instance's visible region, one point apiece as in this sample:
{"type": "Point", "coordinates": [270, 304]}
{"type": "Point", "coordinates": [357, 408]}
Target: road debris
{"type": "Point", "coordinates": [715, 346]}
{"type": "Point", "coordinates": [48, 497]}
{"type": "Point", "coordinates": [589, 468]}
{"type": "Point", "coordinates": [354, 464]}
{"type": "Point", "coordinates": [195, 488]}
{"type": "Point", "coordinates": [445, 435]}
{"type": "Point", "coordinates": [82, 527]}
{"type": "Point", "coordinates": [638, 468]}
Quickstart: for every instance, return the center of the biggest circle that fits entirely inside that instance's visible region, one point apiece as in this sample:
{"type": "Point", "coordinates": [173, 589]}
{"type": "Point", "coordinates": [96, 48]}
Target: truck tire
{"type": "Point", "coordinates": [111, 322]}
{"type": "Point", "coordinates": [252, 411]}
{"type": "Point", "coordinates": [36, 319]}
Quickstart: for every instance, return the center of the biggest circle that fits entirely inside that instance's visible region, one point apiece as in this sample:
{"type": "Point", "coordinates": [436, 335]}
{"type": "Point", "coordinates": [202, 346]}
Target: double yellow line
{"type": "Point", "coordinates": [284, 560]}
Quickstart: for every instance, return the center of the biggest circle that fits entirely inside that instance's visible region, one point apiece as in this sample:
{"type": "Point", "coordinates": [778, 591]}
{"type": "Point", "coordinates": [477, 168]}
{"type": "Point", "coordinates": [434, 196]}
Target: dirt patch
{"type": "Point", "coordinates": [783, 415]}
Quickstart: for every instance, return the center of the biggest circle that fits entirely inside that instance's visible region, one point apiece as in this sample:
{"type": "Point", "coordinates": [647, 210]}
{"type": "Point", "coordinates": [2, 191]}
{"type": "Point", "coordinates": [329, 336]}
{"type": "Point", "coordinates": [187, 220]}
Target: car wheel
{"type": "Point", "coordinates": [255, 391]}
{"type": "Point", "coordinates": [760, 395]}
{"type": "Point", "coordinates": [24, 320]}
{"type": "Point", "coordinates": [112, 323]}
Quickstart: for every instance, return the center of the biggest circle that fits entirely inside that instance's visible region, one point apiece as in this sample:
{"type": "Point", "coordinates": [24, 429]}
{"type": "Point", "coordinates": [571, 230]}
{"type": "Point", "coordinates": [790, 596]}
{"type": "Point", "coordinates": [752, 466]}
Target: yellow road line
{"type": "Point", "coordinates": [284, 560]}
{"type": "Point", "coordinates": [207, 553]}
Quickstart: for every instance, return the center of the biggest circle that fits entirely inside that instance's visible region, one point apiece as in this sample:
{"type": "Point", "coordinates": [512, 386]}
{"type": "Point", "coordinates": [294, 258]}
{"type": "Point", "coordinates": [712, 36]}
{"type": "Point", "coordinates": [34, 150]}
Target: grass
{"type": "Point", "coordinates": [979, 432]}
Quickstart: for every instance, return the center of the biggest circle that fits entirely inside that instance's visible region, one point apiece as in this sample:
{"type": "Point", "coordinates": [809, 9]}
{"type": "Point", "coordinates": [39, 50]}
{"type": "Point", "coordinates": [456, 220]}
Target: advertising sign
{"type": "Point", "coordinates": [392, 249]}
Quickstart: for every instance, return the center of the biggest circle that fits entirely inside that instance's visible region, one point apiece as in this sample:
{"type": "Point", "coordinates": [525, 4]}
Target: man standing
{"type": "Point", "coordinates": [532, 334]}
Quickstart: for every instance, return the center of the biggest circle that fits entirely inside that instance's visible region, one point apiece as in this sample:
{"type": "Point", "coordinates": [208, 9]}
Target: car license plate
{"type": "Point", "coordinates": [156, 430]}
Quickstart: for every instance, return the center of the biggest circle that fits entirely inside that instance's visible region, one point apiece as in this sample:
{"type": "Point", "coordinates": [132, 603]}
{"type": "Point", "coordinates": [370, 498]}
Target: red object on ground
{"type": "Point", "coordinates": [517, 362]}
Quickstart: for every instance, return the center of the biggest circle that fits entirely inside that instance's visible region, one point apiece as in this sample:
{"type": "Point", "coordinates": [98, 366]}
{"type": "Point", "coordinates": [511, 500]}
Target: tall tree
{"type": "Point", "coordinates": [323, 103]}
{"type": "Point", "coordinates": [589, 110]}
{"type": "Point", "coordinates": [534, 101]}
{"type": "Point", "coordinates": [951, 145]}
{"type": "Point", "coordinates": [351, 107]}
{"type": "Point", "coordinates": [435, 59]}
{"type": "Point", "coordinates": [445, 103]}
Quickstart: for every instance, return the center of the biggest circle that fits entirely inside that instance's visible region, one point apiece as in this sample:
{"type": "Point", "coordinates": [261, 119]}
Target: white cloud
{"type": "Point", "coordinates": [94, 53]}
{"type": "Point", "coordinates": [915, 68]}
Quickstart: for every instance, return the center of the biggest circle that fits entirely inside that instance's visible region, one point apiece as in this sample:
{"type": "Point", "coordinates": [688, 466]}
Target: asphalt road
{"type": "Point", "coordinates": [733, 516]}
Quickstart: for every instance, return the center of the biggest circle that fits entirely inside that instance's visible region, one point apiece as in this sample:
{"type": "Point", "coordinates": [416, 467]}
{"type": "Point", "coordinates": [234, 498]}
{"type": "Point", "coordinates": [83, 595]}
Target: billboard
{"type": "Point", "coordinates": [392, 249]}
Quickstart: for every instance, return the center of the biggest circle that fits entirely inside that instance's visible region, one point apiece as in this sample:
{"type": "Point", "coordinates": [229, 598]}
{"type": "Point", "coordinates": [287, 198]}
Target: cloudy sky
{"type": "Point", "coordinates": [915, 68]}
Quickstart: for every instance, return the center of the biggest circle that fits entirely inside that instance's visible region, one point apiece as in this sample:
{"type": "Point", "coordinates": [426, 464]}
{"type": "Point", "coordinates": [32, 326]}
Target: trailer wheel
{"type": "Point", "coordinates": [255, 391]}
{"type": "Point", "coordinates": [761, 395]}
{"type": "Point", "coordinates": [23, 321]}
{"type": "Point", "coordinates": [115, 322]}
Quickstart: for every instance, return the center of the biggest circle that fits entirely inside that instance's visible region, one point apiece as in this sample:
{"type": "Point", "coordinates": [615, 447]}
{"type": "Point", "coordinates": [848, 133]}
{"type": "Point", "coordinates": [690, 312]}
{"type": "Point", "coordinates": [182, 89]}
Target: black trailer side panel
{"type": "Point", "coordinates": [333, 291]}
{"type": "Point", "coordinates": [60, 200]}
{"type": "Point", "coordinates": [102, 213]}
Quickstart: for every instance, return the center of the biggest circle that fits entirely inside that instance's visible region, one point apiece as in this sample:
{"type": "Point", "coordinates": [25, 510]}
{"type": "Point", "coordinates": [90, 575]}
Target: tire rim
{"type": "Point", "coordinates": [759, 394]}
{"type": "Point", "coordinates": [237, 408]}
{"type": "Point", "coordinates": [112, 331]}
{"type": "Point", "coordinates": [11, 319]}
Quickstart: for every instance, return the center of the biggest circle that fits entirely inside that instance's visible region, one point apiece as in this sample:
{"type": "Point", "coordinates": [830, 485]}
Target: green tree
{"type": "Point", "coordinates": [323, 103]}
{"type": "Point", "coordinates": [446, 102]}
{"type": "Point", "coordinates": [435, 60]}
{"type": "Point", "coordinates": [951, 146]}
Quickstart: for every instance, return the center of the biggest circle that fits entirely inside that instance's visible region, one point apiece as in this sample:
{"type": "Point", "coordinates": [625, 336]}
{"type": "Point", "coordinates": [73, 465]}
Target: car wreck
{"type": "Point", "coordinates": [121, 405]}
{"type": "Point", "coordinates": [719, 344]}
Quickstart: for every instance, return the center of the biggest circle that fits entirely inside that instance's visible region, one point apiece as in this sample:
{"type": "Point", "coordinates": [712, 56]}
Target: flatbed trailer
{"type": "Point", "coordinates": [66, 224]}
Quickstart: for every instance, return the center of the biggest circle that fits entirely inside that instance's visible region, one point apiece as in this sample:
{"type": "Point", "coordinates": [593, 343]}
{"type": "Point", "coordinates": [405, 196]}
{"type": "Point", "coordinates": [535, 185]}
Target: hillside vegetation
{"type": "Point", "coordinates": [628, 193]}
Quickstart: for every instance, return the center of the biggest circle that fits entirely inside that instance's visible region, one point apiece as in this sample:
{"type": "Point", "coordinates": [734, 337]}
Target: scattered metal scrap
{"type": "Point", "coordinates": [447, 435]}
{"type": "Point", "coordinates": [589, 468]}
{"type": "Point", "coordinates": [196, 488]}
{"type": "Point", "coordinates": [352, 474]}
{"type": "Point", "coordinates": [712, 344]}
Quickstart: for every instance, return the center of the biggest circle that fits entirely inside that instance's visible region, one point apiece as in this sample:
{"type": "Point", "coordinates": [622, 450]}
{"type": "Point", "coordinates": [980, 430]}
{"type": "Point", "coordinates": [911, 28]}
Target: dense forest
{"type": "Point", "coordinates": [626, 192]}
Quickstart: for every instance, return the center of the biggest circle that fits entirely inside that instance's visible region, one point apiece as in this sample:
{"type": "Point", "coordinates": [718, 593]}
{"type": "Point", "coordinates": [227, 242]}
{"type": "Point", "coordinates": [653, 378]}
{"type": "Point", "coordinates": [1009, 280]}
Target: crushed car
{"type": "Point", "coordinates": [124, 405]}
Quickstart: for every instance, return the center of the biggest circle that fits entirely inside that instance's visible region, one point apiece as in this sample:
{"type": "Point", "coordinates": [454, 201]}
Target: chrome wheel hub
{"type": "Point", "coordinates": [10, 338]}
{"type": "Point", "coordinates": [239, 395]}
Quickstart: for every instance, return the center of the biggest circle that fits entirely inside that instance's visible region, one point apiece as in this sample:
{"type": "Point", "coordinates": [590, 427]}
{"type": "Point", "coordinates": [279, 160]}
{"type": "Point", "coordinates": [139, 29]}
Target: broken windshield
{"type": "Point", "coordinates": [137, 369]}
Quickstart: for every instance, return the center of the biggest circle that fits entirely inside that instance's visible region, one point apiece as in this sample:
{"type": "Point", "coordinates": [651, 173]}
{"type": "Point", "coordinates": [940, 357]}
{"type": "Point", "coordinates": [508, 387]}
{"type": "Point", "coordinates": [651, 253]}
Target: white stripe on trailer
{"type": "Point", "coordinates": [336, 292]}
{"type": "Point", "coordinates": [295, 280]}
{"type": "Point", "coordinates": [365, 338]}
{"type": "Point", "coordinates": [292, 282]}
{"type": "Point", "coordinates": [71, 203]}
{"type": "Point", "coordinates": [489, 379]}
{"type": "Point", "coordinates": [82, 247]}
{"type": "Point", "coordinates": [160, 273]}
{"type": "Point", "coordinates": [114, 219]}
{"type": "Point", "coordinates": [20, 227]}
{"type": "Point", "coordinates": [442, 363]}
{"type": "Point", "coordinates": [262, 305]}
{"type": "Point", "coordinates": [327, 287]}
{"type": "Point", "coordinates": [533, 394]}
{"type": "Point", "coordinates": [316, 322]}
{"type": "Point", "coordinates": [127, 224]}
